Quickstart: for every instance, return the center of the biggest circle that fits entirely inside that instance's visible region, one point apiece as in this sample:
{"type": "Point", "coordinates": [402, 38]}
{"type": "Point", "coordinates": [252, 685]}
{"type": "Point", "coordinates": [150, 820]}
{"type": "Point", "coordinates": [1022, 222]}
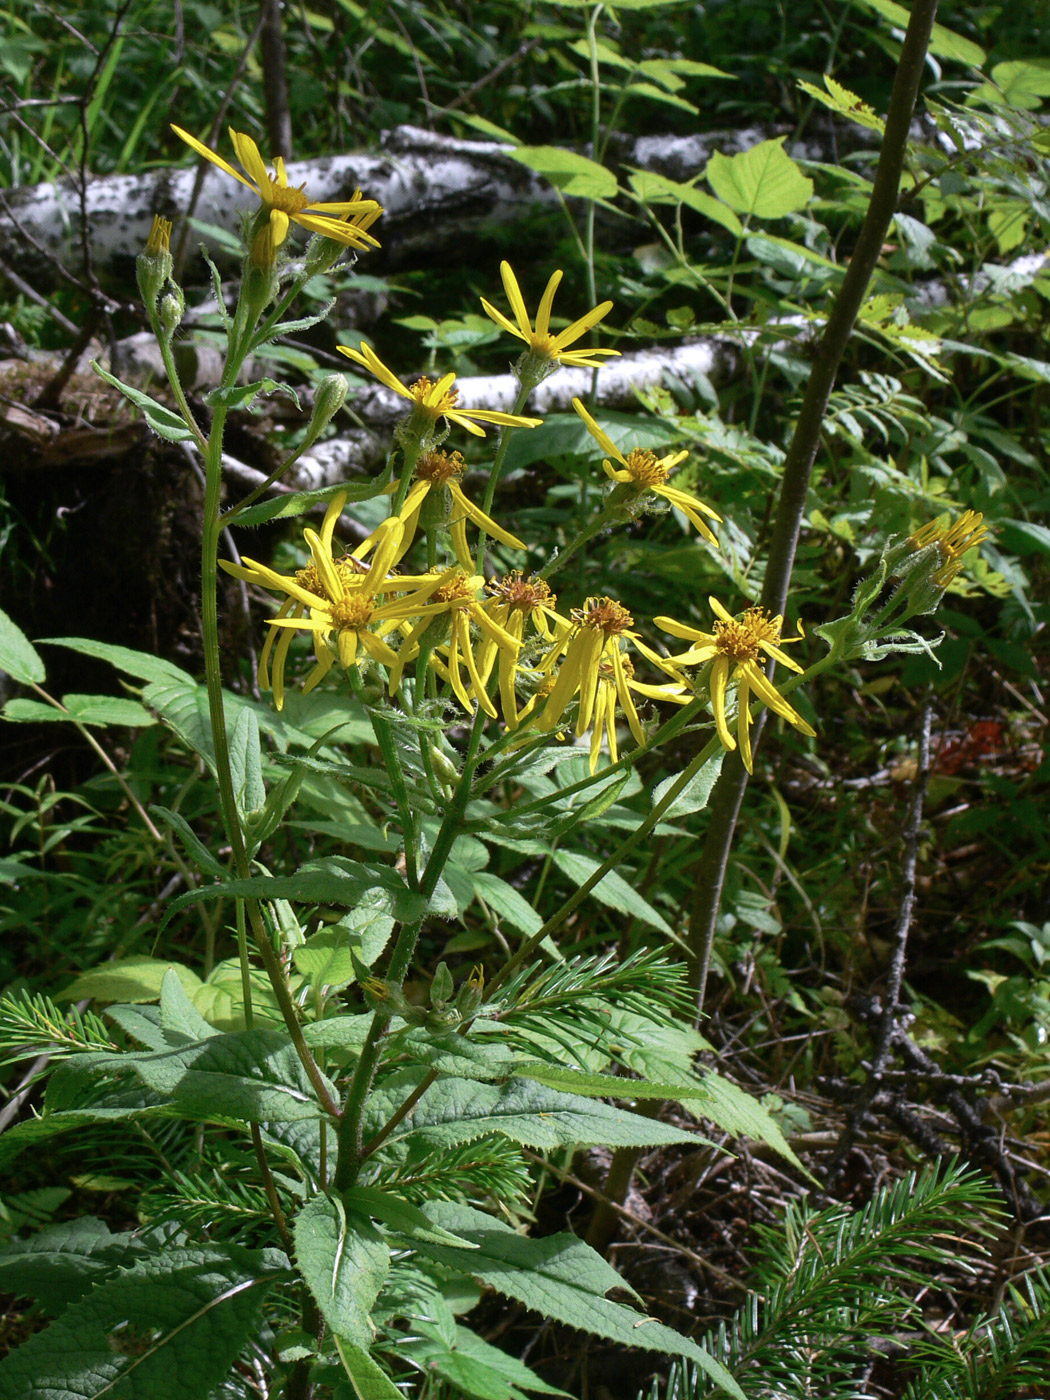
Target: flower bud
{"type": "Point", "coordinates": [154, 264]}
{"type": "Point", "coordinates": [328, 400]}
{"type": "Point", "coordinates": [171, 309]}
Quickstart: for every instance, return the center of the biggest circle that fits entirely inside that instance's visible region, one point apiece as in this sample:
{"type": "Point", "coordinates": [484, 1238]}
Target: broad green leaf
{"type": "Point", "coordinates": [178, 1013]}
{"type": "Point", "coordinates": [763, 182]}
{"type": "Point", "coordinates": [18, 657]}
{"type": "Point", "coordinates": [338, 1032]}
{"type": "Point", "coordinates": [369, 1380]}
{"type": "Point", "coordinates": [559, 1277]}
{"type": "Point", "coordinates": [170, 1327]}
{"type": "Point", "coordinates": [139, 664]}
{"type": "Point", "coordinates": [325, 959]}
{"type": "Point", "coordinates": [333, 881]}
{"type": "Point", "coordinates": [653, 188]}
{"type": "Point", "coordinates": [695, 795]}
{"type": "Point", "coordinates": [463, 1057]}
{"type": "Point", "coordinates": [611, 890]}
{"type": "Point", "coordinates": [201, 857]}
{"type": "Point", "coordinates": [15, 1140]}
{"type": "Point", "coordinates": [945, 43]}
{"type": "Point", "coordinates": [164, 422]}
{"type": "Point", "coordinates": [656, 93]}
{"type": "Point", "coordinates": [246, 1075]}
{"type": "Point", "coordinates": [345, 1261]}
{"type": "Point", "coordinates": [571, 173]}
{"type": "Point", "coordinates": [58, 1264]}
{"type": "Point", "coordinates": [299, 502]}
{"type": "Point", "coordinates": [472, 1367]}
{"type": "Point", "coordinates": [220, 1000]}
{"type": "Point", "coordinates": [246, 763]}
{"type": "Point", "coordinates": [1023, 83]}
{"type": "Point", "coordinates": [87, 709]}
{"type": "Point", "coordinates": [507, 902]}
{"type": "Point", "coordinates": [455, 1111]}
{"type": "Point", "coordinates": [136, 979]}
{"type": "Point", "coordinates": [398, 1215]}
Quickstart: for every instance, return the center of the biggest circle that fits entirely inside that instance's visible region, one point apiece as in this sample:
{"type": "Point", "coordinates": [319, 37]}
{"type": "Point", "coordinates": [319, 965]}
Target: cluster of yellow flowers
{"type": "Point", "coordinates": [453, 623]}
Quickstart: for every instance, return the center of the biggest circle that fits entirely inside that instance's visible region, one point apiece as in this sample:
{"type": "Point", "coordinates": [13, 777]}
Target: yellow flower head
{"type": "Point", "coordinates": [952, 542]}
{"type": "Point", "coordinates": [515, 601]}
{"type": "Point", "coordinates": [736, 647]}
{"type": "Point", "coordinates": [159, 239]}
{"type": "Point", "coordinates": [539, 338]}
{"type": "Point", "coordinates": [434, 401]}
{"type": "Point", "coordinates": [644, 471]}
{"type": "Point", "coordinates": [595, 667]}
{"type": "Point", "coordinates": [345, 221]}
{"type": "Point", "coordinates": [438, 473]}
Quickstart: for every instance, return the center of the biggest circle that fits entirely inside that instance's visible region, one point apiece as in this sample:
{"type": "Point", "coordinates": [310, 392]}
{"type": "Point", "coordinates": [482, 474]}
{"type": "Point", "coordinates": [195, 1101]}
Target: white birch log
{"type": "Point", "coordinates": [433, 188]}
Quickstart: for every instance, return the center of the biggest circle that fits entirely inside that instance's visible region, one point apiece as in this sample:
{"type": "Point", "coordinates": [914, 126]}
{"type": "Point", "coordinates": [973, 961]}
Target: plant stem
{"type": "Point", "coordinates": [732, 783]}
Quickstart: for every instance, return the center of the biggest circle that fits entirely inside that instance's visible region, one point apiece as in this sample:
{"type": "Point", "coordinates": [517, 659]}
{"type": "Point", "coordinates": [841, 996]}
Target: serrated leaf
{"type": "Point", "coordinates": [168, 1328]}
{"type": "Point", "coordinates": [245, 1075]}
{"type": "Point", "coordinates": [847, 104]}
{"type": "Point", "coordinates": [58, 1264]}
{"type": "Point", "coordinates": [165, 423]}
{"type": "Point", "coordinates": [455, 1111]}
{"type": "Point", "coordinates": [571, 173]}
{"type": "Point", "coordinates": [763, 182]}
{"type": "Point", "coordinates": [345, 1261]}
{"type": "Point", "coordinates": [654, 188]}
{"type": "Point", "coordinates": [611, 890]}
{"type": "Point", "coordinates": [246, 763]}
{"type": "Point", "coordinates": [399, 1215]}
{"type": "Point", "coordinates": [15, 1140]}
{"type": "Point", "coordinates": [18, 657]}
{"type": "Point", "coordinates": [559, 1277]}
{"type": "Point", "coordinates": [136, 979]}
{"type": "Point", "coordinates": [177, 1011]}
{"type": "Point", "coordinates": [139, 664]}
{"type": "Point", "coordinates": [244, 395]}
{"type": "Point", "coordinates": [369, 1380]}
{"type": "Point", "coordinates": [101, 710]}
{"type": "Point", "coordinates": [695, 795]}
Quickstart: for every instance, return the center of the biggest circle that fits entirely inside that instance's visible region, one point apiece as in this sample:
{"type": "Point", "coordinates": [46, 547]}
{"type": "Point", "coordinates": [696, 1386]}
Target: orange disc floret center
{"type": "Point", "coordinates": [522, 594]}
{"type": "Point", "coordinates": [352, 614]}
{"type": "Point", "coordinates": [457, 591]}
{"type": "Point", "coordinates": [287, 199]}
{"type": "Point", "coordinates": [422, 388]}
{"type": "Point", "coordinates": [440, 467]}
{"type": "Point", "coordinates": [603, 615]}
{"type": "Point", "coordinates": [646, 468]}
{"type": "Point", "coordinates": [741, 641]}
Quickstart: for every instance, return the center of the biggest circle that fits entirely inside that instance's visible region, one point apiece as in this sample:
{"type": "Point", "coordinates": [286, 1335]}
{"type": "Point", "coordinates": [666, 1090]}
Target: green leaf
{"type": "Point", "coordinates": [571, 173]}
{"type": "Point", "coordinates": [299, 502]}
{"type": "Point", "coordinates": [695, 795]}
{"type": "Point", "coordinates": [399, 1215]}
{"type": "Point", "coordinates": [945, 43]}
{"type": "Point", "coordinates": [170, 1327]}
{"type": "Point", "coordinates": [763, 182]}
{"type": "Point", "coordinates": [345, 1261]}
{"type": "Point", "coordinates": [246, 764]}
{"type": "Point", "coordinates": [652, 188]}
{"type": "Point", "coordinates": [847, 104]}
{"type": "Point", "coordinates": [1024, 83]}
{"type": "Point", "coordinates": [18, 656]}
{"type": "Point", "coordinates": [245, 1075]}
{"type": "Point", "coordinates": [139, 664]}
{"type": "Point", "coordinates": [200, 855]}
{"type": "Point", "coordinates": [166, 424]}
{"type": "Point", "coordinates": [244, 395]}
{"type": "Point", "coordinates": [136, 979]}
{"type": "Point", "coordinates": [611, 890]}
{"type": "Point", "coordinates": [472, 1367]}
{"type": "Point", "coordinates": [60, 1263]}
{"type": "Point", "coordinates": [177, 1011]}
{"type": "Point", "coordinates": [507, 902]}
{"type": "Point", "coordinates": [335, 880]}
{"type": "Point", "coordinates": [368, 1378]}
{"type": "Point", "coordinates": [87, 709]}
{"type": "Point", "coordinates": [559, 1277]}
{"type": "Point", "coordinates": [455, 1111]}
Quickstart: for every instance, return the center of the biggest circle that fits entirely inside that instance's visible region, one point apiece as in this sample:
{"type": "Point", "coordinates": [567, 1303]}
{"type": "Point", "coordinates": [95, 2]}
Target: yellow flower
{"type": "Point", "coordinates": [644, 471]}
{"type": "Point", "coordinates": [324, 589]}
{"type": "Point", "coordinates": [437, 472]}
{"type": "Point", "coordinates": [609, 691]}
{"type": "Point", "coordinates": [952, 542]}
{"type": "Point", "coordinates": [346, 221]}
{"type": "Point", "coordinates": [159, 238]}
{"type": "Point", "coordinates": [736, 647]}
{"type": "Point", "coordinates": [596, 667]}
{"type": "Point", "coordinates": [539, 339]}
{"type": "Point", "coordinates": [434, 401]}
{"type": "Point", "coordinates": [516, 600]}
{"type": "Point", "coordinates": [460, 595]}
